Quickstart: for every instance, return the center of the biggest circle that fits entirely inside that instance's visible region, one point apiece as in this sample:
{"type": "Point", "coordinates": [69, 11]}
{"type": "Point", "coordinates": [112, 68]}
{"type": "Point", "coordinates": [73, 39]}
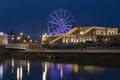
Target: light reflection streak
{"type": "Point", "coordinates": [28, 67]}
{"type": "Point", "coordinates": [45, 71]}
{"type": "Point", "coordinates": [61, 71]}
{"type": "Point", "coordinates": [93, 69]}
{"type": "Point", "coordinates": [1, 71]}
{"type": "Point", "coordinates": [19, 73]}
{"type": "Point", "coordinates": [13, 65]}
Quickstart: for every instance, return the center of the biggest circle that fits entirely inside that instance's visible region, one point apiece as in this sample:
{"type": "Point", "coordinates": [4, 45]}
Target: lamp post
{"type": "Point", "coordinates": [21, 33]}
{"type": "Point", "coordinates": [18, 39]}
{"type": "Point", "coordinates": [28, 39]}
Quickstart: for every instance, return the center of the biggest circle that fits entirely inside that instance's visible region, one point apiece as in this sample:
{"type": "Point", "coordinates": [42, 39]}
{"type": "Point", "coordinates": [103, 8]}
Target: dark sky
{"type": "Point", "coordinates": [30, 16]}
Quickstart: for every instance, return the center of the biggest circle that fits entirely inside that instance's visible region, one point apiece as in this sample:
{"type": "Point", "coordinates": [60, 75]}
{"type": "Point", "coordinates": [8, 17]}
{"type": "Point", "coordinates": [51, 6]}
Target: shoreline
{"type": "Point", "coordinates": [72, 51]}
{"type": "Point", "coordinates": [42, 50]}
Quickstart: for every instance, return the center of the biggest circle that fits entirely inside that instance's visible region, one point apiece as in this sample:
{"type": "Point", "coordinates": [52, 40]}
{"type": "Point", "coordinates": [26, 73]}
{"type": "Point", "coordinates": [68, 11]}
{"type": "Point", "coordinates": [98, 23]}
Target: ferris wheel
{"type": "Point", "coordinates": [59, 22]}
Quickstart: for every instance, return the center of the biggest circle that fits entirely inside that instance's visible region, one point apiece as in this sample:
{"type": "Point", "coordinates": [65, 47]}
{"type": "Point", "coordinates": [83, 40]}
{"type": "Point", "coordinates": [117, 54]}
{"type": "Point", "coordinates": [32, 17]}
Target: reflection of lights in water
{"type": "Point", "coordinates": [61, 71]}
{"type": "Point", "coordinates": [70, 67]}
{"type": "Point", "coordinates": [45, 71]}
{"type": "Point", "coordinates": [75, 68]}
{"type": "Point", "coordinates": [1, 71]}
{"type": "Point", "coordinates": [12, 65]}
{"type": "Point", "coordinates": [93, 69]}
{"type": "Point", "coordinates": [19, 73]}
{"type": "Point", "coordinates": [28, 67]}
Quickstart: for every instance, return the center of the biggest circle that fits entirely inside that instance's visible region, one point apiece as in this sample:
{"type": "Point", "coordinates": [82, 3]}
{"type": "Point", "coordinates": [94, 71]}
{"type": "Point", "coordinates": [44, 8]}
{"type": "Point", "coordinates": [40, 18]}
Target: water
{"type": "Point", "coordinates": [36, 69]}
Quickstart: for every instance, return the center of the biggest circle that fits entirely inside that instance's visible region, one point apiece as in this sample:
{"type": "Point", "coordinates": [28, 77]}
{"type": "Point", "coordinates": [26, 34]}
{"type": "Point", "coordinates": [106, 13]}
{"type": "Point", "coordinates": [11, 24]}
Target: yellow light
{"type": "Point", "coordinates": [44, 35]}
{"type": "Point", "coordinates": [18, 38]}
{"type": "Point", "coordinates": [24, 41]}
{"type": "Point", "coordinates": [31, 41]}
{"type": "Point", "coordinates": [81, 32]}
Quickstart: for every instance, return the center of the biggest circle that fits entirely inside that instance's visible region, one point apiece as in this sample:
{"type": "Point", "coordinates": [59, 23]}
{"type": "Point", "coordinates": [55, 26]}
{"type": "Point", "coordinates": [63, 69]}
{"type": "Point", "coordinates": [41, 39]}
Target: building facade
{"type": "Point", "coordinates": [3, 38]}
{"type": "Point", "coordinates": [80, 34]}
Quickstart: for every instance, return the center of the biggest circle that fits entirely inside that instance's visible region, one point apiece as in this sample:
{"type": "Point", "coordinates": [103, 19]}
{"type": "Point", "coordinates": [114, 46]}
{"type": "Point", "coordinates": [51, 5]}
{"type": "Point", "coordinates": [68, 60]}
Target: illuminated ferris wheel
{"type": "Point", "coordinates": [59, 22]}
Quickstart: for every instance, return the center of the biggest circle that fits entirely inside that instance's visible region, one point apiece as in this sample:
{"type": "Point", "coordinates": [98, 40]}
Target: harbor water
{"type": "Point", "coordinates": [34, 68]}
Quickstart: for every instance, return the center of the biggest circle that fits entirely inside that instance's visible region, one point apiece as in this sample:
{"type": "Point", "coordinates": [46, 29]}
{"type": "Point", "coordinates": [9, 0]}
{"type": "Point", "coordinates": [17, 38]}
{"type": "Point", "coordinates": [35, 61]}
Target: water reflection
{"type": "Point", "coordinates": [28, 67]}
{"type": "Point", "coordinates": [58, 71]}
{"type": "Point", "coordinates": [12, 65]}
{"type": "Point", "coordinates": [19, 69]}
{"type": "Point", "coordinates": [19, 72]}
{"type": "Point", "coordinates": [1, 72]}
{"type": "Point", "coordinates": [45, 70]}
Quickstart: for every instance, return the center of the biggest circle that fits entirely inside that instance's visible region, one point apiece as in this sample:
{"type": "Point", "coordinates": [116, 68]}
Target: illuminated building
{"type": "Point", "coordinates": [80, 34]}
{"type": "Point", "coordinates": [3, 38]}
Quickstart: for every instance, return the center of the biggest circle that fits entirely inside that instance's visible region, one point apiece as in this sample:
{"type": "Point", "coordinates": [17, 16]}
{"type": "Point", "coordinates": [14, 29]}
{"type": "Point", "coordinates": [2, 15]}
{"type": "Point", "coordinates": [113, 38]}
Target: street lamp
{"type": "Point", "coordinates": [28, 36]}
{"type": "Point", "coordinates": [18, 38]}
{"type": "Point", "coordinates": [21, 34]}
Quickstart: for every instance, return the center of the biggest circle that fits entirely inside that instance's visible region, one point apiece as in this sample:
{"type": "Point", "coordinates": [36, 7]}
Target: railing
{"type": "Point", "coordinates": [56, 39]}
{"type": "Point", "coordinates": [71, 31]}
{"type": "Point", "coordinates": [16, 46]}
{"type": "Point", "coordinates": [68, 33]}
{"type": "Point", "coordinates": [26, 47]}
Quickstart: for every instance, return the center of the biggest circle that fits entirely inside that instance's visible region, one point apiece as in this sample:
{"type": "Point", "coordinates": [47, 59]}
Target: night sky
{"type": "Point", "coordinates": [30, 16]}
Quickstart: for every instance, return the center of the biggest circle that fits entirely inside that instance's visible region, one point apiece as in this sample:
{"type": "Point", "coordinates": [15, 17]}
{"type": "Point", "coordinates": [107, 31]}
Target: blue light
{"type": "Point", "coordinates": [59, 22]}
{"type": "Point", "coordinates": [1, 71]}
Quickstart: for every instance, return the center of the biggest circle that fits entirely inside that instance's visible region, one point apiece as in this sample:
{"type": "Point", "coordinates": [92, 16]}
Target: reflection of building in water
{"type": "Point", "coordinates": [1, 72]}
{"type": "Point", "coordinates": [45, 71]}
{"type": "Point", "coordinates": [13, 65]}
{"type": "Point", "coordinates": [28, 67]}
{"type": "Point", "coordinates": [93, 69]}
{"type": "Point", "coordinates": [57, 70]}
{"type": "Point", "coordinates": [19, 72]}
{"type": "Point", "coordinates": [20, 64]}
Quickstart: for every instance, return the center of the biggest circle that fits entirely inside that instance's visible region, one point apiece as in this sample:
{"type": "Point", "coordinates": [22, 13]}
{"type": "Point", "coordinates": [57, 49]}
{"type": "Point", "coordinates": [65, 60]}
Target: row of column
{"type": "Point", "coordinates": [78, 39]}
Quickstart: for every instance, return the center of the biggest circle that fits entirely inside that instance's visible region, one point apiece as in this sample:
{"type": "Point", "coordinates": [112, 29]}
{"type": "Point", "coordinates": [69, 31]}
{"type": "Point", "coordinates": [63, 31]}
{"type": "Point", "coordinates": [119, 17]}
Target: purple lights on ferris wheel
{"type": "Point", "coordinates": [59, 22]}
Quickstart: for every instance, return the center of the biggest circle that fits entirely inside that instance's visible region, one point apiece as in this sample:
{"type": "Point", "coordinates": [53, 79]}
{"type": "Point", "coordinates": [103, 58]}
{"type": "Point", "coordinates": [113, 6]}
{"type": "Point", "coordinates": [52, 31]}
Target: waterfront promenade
{"type": "Point", "coordinates": [38, 48]}
{"type": "Point", "coordinates": [36, 51]}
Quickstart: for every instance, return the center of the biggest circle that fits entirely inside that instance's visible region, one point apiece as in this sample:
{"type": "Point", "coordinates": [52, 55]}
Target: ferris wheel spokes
{"type": "Point", "coordinates": [53, 22]}
{"type": "Point", "coordinates": [54, 32]}
{"type": "Point", "coordinates": [67, 28]}
{"type": "Point", "coordinates": [54, 18]}
{"type": "Point", "coordinates": [53, 27]}
{"type": "Point", "coordinates": [70, 21]}
{"type": "Point", "coordinates": [59, 22]}
{"type": "Point", "coordinates": [67, 18]}
{"type": "Point", "coordinates": [57, 15]}
{"type": "Point", "coordinates": [69, 25]}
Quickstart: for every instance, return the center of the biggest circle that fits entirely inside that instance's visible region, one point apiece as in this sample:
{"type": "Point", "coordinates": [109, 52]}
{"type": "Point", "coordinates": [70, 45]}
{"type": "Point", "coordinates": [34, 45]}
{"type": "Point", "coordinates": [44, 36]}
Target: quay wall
{"type": "Point", "coordinates": [70, 57]}
{"type": "Point", "coordinates": [3, 50]}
